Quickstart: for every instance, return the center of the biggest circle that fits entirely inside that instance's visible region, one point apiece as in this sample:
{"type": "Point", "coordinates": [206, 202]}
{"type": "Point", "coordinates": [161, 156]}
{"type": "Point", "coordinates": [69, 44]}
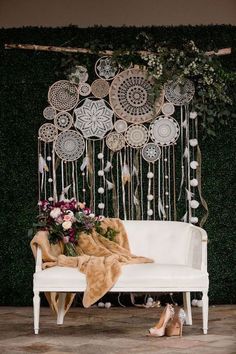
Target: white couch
{"type": "Point", "coordinates": [179, 251]}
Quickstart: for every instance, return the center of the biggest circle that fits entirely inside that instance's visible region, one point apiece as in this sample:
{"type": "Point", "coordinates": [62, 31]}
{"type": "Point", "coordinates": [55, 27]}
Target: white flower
{"type": "Point", "coordinates": [193, 115]}
{"type": "Point", "coordinates": [66, 225]}
{"type": "Point", "coordinates": [55, 213]}
{"type": "Point", "coordinates": [92, 215]}
{"type": "Point", "coordinates": [69, 212]}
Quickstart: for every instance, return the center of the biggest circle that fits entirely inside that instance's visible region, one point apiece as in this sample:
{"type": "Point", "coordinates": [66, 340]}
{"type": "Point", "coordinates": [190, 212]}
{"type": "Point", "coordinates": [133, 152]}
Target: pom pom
{"type": "Point", "coordinates": [100, 156]}
{"type": "Point", "coordinates": [50, 199]}
{"type": "Point", "coordinates": [194, 204]}
{"type": "Point", "coordinates": [150, 175]}
{"type": "Point", "coordinates": [194, 302]}
{"type": "Point", "coordinates": [50, 180]}
{"type": "Point", "coordinates": [193, 142]}
{"type": "Point", "coordinates": [100, 173]}
{"type": "Point", "coordinates": [100, 190]}
{"type": "Point", "coordinates": [150, 212]}
{"type": "Point", "coordinates": [107, 305]}
{"type": "Point", "coordinates": [193, 115]}
{"type": "Point", "coordinates": [194, 165]}
{"type": "Point", "coordinates": [150, 197]}
{"type": "Point", "coordinates": [194, 219]}
{"type": "Point", "coordinates": [194, 182]}
{"type": "Point", "coordinates": [49, 158]}
{"type": "Point", "coordinates": [101, 304]}
{"type": "Point", "coordinates": [101, 206]}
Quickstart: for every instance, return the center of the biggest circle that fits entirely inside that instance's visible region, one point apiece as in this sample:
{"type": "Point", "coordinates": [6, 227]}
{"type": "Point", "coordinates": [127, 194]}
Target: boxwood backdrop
{"type": "Point", "coordinates": [25, 77]}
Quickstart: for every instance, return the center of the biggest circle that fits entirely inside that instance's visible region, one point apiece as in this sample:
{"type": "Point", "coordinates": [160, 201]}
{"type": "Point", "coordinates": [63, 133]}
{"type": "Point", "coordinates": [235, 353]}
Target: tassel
{"type": "Point", "coordinates": [186, 152]}
{"type": "Point", "coordinates": [189, 194]}
{"type": "Point", "coordinates": [84, 163]}
{"type": "Point", "coordinates": [42, 164]}
{"type": "Point", "coordinates": [136, 201]}
{"type": "Point", "coordinates": [161, 209]}
{"type": "Point", "coordinates": [108, 166]}
{"type": "Point", "coordinates": [110, 185]}
{"type": "Point", "coordinates": [184, 218]}
{"type": "Point", "coordinates": [64, 192]}
{"type": "Point", "coordinates": [125, 174]}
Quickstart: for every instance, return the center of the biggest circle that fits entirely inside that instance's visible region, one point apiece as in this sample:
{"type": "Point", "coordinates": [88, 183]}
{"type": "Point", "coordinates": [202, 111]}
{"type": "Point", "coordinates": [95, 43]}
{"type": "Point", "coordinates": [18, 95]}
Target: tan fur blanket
{"type": "Point", "coordinates": [98, 258]}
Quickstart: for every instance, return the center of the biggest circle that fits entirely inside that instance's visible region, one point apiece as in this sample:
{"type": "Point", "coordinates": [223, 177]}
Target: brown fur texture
{"type": "Point", "coordinates": [98, 258]}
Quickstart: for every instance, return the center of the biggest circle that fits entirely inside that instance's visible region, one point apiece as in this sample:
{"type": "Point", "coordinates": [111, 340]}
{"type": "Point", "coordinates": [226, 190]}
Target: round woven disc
{"type": "Point", "coordinates": [63, 120]}
{"type": "Point", "coordinates": [100, 88]}
{"type": "Point", "coordinates": [130, 96]}
{"type": "Point", "coordinates": [49, 113]}
{"type": "Point", "coordinates": [69, 145]}
{"type": "Point", "coordinates": [164, 131]}
{"type": "Point", "coordinates": [120, 126]}
{"type": "Point", "coordinates": [63, 95]}
{"type": "Point", "coordinates": [105, 68]}
{"type": "Point", "coordinates": [84, 89]}
{"type": "Point", "coordinates": [179, 94]}
{"type": "Point", "coordinates": [151, 152]}
{"type": "Point", "coordinates": [168, 109]}
{"type": "Point", "coordinates": [47, 132]}
{"type": "Point", "coordinates": [115, 141]}
{"type": "Point", "coordinates": [136, 135]}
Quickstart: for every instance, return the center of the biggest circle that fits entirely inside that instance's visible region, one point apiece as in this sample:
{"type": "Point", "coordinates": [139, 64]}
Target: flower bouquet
{"type": "Point", "coordinates": [66, 220]}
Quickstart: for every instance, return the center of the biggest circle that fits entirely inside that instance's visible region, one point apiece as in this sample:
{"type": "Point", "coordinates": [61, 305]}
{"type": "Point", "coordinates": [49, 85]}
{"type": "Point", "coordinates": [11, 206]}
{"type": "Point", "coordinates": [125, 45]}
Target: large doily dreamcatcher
{"type": "Point", "coordinates": [179, 93]}
{"type": "Point", "coordinates": [151, 152]}
{"type": "Point", "coordinates": [136, 135]}
{"type": "Point", "coordinates": [93, 118]}
{"type": "Point", "coordinates": [63, 95]}
{"type": "Point", "coordinates": [49, 113]}
{"type": "Point", "coordinates": [63, 120]}
{"type": "Point", "coordinates": [164, 131]}
{"type": "Point", "coordinates": [100, 88]}
{"type": "Point", "coordinates": [115, 141]}
{"type": "Point", "coordinates": [130, 96]}
{"type": "Point", "coordinates": [69, 145]}
{"type": "Point", "coordinates": [105, 68]}
{"type": "Point", "coordinates": [47, 132]}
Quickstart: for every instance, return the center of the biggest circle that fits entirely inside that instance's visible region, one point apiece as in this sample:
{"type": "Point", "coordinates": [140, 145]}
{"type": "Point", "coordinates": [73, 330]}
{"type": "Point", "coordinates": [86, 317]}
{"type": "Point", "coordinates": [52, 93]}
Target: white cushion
{"type": "Point", "coordinates": [134, 276]}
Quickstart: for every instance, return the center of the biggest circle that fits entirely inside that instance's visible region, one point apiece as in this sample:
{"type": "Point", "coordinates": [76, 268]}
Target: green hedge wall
{"type": "Point", "coordinates": [25, 77]}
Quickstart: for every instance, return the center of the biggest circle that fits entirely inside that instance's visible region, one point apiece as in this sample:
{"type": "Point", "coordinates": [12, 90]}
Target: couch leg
{"type": "Point", "coordinates": [187, 307]}
{"type": "Point", "coordinates": [205, 305]}
{"type": "Point", "coordinates": [61, 308]}
{"type": "Point", "coordinates": [36, 302]}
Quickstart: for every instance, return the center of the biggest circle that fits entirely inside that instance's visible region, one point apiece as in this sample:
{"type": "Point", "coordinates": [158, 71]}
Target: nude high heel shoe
{"type": "Point", "coordinates": [159, 329]}
{"type": "Point", "coordinates": [175, 326]}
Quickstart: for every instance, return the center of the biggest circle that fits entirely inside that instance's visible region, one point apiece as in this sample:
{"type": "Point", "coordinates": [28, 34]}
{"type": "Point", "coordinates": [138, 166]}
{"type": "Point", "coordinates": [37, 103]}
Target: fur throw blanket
{"type": "Point", "coordinates": [98, 258]}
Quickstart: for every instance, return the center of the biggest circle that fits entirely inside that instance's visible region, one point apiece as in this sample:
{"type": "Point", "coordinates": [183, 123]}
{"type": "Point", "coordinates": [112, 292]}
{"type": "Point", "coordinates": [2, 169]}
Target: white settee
{"type": "Point", "coordinates": [179, 251]}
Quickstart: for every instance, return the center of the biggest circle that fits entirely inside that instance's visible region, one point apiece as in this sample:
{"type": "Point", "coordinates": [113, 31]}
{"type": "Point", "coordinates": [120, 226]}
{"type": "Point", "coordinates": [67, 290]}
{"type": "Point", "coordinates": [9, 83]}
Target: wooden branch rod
{"type": "Point", "coordinates": [47, 48]}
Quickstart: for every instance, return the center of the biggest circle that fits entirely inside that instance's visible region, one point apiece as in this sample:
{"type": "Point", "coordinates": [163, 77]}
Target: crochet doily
{"type": "Point", "coordinates": [151, 152]}
{"type": "Point", "coordinates": [63, 95]}
{"type": "Point", "coordinates": [93, 118]}
{"type": "Point", "coordinates": [130, 96]}
{"type": "Point", "coordinates": [47, 132]}
{"type": "Point", "coordinates": [84, 89]}
{"type": "Point", "coordinates": [49, 113]}
{"type": "Point", "coordinates": [69, 145]}
{"type": "Point", "coordinates": [164, 131]}
{"type": "Point", "coordinates": [179, 94]}
{"type": "Point", "coordinates": [115, 141]}
{"type": "Point", "coordinates": [120, 126]}
{"type": "Point", "coordinates": [63, 120]}
{"type": "Point", "coordinates": [105, 68]}
{"type": "Point", "coordinates": [168, 109]}
{"type": "Point", "coordinates": [100, 88]}
{"type": "Point", "coordinates": [136, 135]}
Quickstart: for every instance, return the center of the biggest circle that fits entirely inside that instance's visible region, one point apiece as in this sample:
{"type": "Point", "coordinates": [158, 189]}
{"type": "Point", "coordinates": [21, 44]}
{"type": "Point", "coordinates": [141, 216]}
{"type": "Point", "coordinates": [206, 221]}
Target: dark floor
{"type": "Point", "coordinates": [115, 330]}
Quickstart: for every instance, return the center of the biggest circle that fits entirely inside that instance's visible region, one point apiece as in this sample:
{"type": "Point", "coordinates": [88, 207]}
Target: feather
{"type": "Point", "coordinates": [184, 218]}
{"type": "Point", "coordinates": [108, 166]}
{"type": "Point", "coordinates": [134, 171]}
{"type": "Point", "coordinates": [186, 152]}
{"type": "Point", "coordinates": [184, 123]}
{"type": "Point", "coordinates": [189, 194]}
{"type": "Point", "coordinates": [110, 185]}
{"type": "Point", "coordinates": [161, 209]}
{"type": "Point", "coordinates": [42, 164]}
{"type": "Point", "coordinates": [125, 174]}
{"type": "Point", "coordinates": [84, 163]}
{"type": "Point", "coordinates": [136, 201]}
{"type": "Point", "coordinates": [64, 192]}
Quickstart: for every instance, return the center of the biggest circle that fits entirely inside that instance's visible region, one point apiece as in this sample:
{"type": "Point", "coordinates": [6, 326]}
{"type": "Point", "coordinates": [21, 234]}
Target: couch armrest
{"type": "Point", "coordinates": [38, 260]}
{"type": "Point", "coordinates": [197, 257]}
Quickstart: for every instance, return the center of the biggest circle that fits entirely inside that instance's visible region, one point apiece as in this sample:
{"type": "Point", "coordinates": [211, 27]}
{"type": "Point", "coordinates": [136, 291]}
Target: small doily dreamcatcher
{"type": "Point", "coordinates": [63, 120]}
{"type": "Point", "coordinates": [151, 152]}
{"type": "Point", "coordinates": [84, 89]}
{"type": "Point", "coordinates": [164, 131]}
{"type": "Point", "coordinates": [63, 95]}
{"type": "Point", "coordinates": [168, 109]}
{"type": "Point", "coordinates": [49, 113]}
{"type": "Point", "coordinates": [179, 93]}
{"type": "Point", "coordinates": [69, 145]}
{"type": "Point", "coordinates": [106, 69]}
{"type": "Point", "coordinates": [120, 126]}
{"type": "Point", "coordinates": [47, 132]}
{"type": "Point", "coordinates": [131, 96]}
{"type": "Point", "coordinates": [136, 135]}
{"type": "Point", "coordinates": [115, 141]}
{"type": "Point", "coordinates": [100, 88]}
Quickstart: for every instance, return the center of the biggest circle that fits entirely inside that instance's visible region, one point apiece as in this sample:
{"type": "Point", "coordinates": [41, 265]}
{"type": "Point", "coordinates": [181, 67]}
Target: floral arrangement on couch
{"type": "Point", "coordinates": [66, 220]}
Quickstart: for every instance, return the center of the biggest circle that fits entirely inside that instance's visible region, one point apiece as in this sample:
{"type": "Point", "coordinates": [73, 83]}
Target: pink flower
{"type": "Point", "coordinates": [59, 220]}
{"type": "Point", "coordinates": [66, 239]}
{"type": "Point", "coordinates": [67, 217]}
{"type": "Point", "coordinates": [55, 213]}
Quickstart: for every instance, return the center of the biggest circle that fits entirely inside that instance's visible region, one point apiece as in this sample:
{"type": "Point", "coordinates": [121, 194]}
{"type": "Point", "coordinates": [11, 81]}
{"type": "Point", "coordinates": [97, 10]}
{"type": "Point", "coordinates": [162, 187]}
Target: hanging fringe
{"type": "Point", "coordinates": [42, 164]}
{"type": "Point", "coordinates": [161, 210]}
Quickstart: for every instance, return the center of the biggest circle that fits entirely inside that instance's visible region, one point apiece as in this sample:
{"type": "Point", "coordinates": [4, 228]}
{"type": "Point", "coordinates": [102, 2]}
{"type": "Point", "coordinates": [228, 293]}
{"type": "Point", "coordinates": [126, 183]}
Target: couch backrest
{"type": "Point", "coordinates": [166, 242]}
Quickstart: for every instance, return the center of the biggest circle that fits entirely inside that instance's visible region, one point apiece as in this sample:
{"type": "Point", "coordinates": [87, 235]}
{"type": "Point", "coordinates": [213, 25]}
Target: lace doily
{"type": "Point", "coordinates": [151, 152]}
{"type": "Point", "coordinates": [179, 94]}
{"type": "Point", "coordinates": [136, 135]}
{"type": "Point", "coordinates": [47, 132]}
{"type": "Point", "coordinates": [84, 89]}
{"type": "Point", "coordinates": [93, 118]}
{"type": "Point", "coordinates": [164, 131]}
{"type": "Point", "coordinates": [69, 145]}
{"type": "Point", "coordinates": [130, 96]}
{"type": "Point", "coordinates": [49, 113]}
{"type": "Point", "coordinates": [63, 120]}
{"type": "Point", "coordinates": [63, 95]}
{"type": "Point", "coordinates": [105, 68]}
{"type": "Point", "coordinates": [168, 109]}
{"type": "Point", "coordinates": [79, 74]}
{"type": "Point", "coordinates": [100, 88]}
{"type": "Point", "coordinates": [115, 141]}
{"type": "Point", "coordinates": [120, 126]}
